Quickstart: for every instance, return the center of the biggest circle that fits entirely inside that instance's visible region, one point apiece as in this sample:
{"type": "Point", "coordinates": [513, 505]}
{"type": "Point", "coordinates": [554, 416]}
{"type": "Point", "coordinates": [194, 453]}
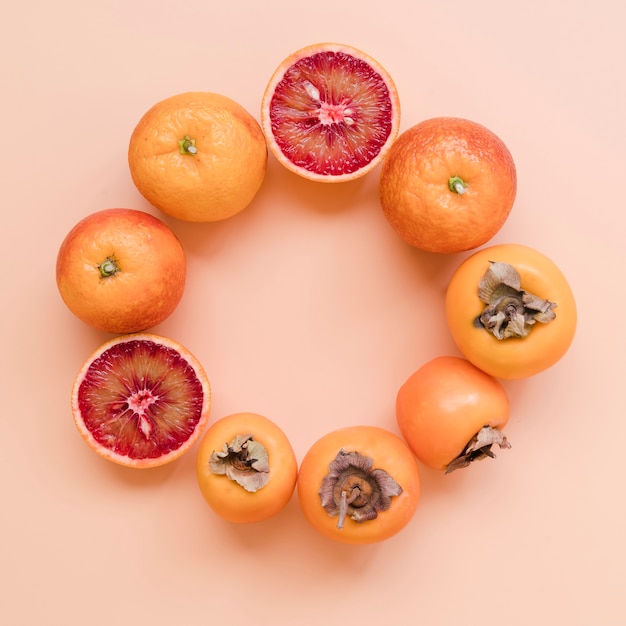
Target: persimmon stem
{"type": "Point", "coordinates": [353, 488]}
{"type": "Point", "coordinates": [344, 502]}
{"type": "Point", "coordinates": [457, 185]}
{"type": "Point", "coordinates": [343, 510]}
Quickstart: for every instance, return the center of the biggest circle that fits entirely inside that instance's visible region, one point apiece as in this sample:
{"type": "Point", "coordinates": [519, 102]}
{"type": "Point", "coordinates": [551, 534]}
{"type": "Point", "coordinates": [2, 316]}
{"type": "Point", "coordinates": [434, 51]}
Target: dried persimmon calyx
{"type": "Point", "coordinates": [511, 312]}
{"type": "Point", "coordinates": [479, 447]}
{"type": "Point", "coordinates": [353, 488]}
{"type": "Point", "coordinates": [243, 460]}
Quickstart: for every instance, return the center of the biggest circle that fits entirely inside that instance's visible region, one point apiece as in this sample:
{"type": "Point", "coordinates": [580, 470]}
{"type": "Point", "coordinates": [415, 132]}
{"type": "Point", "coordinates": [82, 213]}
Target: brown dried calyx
{"type": "Point", "coordinates": [510, 311]}
{"type": "Point", "coordinates": [244, 461]}
{"type": "Point", "coordinates": [352, 488]}
{"type": "Point", "coordinates": [479, 447]}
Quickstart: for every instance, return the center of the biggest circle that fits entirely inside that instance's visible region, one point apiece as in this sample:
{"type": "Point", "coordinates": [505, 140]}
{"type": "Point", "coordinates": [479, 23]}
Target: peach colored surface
{"type": "Point", "coordinates": [308, 309]}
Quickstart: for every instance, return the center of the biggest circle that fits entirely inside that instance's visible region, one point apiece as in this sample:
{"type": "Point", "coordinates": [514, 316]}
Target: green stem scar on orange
{"type": "Point", "coordinates": [457, 185]}
{"type": "Point", "coordinates": [187, 145]}
{"type": "Point", "coordinates": [108, 267]}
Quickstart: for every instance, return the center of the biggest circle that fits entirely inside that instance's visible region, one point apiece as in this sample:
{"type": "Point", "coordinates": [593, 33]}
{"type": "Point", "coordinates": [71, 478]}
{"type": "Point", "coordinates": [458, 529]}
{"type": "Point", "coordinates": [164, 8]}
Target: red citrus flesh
{"type": "Point", "coordinates": [141, 400]}
{"type": "Point", "coordinates": [330, 112]}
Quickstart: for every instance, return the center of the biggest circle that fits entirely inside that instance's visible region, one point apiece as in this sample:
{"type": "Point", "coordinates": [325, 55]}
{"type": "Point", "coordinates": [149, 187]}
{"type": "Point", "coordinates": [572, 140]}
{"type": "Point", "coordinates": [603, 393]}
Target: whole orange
{"type": "Point", "coordinates": [121, 270]}
{"type": "Point", "coordinates": [198, 156]}
{"type": "Point", "coordinates": [447, 185]}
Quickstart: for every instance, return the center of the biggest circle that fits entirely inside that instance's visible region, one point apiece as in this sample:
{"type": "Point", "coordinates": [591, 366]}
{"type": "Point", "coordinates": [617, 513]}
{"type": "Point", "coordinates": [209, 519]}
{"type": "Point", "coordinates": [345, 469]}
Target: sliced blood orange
{"type": "Point", "coordinates": [141, 400]}
{"type": "Point", "coordinates": [330, 112]}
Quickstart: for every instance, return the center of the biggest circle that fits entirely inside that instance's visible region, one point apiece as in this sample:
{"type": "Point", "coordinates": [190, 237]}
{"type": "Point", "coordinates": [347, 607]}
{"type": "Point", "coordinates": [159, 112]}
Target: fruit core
{"type": "Point", "coordinates": [353, 488]}
{"type": "Point", "coordinates": [140, 399]}
{"type": "Point", "coordinates": [510, 311]}
{"type": "Point", "coordinates": [139, 403]}
{"type": "Point", "coordinates": [331, 113]}
{"type": "Point", "coordinates": [327, 112]}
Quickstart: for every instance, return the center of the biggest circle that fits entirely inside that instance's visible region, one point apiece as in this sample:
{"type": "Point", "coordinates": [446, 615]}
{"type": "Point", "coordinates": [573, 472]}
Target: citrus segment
{"type": "Point", "coordinates": [141, 400]}
{"type": "Point", "coordinates": [330, 112]}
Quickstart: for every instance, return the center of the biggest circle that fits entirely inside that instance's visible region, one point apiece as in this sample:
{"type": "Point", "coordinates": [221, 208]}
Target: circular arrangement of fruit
{"type": "Point", "coordinates": [330, 113]}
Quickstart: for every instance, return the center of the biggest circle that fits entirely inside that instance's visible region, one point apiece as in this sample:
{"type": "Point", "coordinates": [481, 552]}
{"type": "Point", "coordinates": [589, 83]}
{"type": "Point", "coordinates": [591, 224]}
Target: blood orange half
{"type": "Point", "coordinates": [141, 400]}
{"type": "Point", "coordinates": [330, 112]}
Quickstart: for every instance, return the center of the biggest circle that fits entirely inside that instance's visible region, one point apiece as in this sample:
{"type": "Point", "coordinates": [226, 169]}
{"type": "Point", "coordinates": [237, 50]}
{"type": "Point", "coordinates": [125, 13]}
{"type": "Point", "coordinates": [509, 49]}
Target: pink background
{"type": "Point", "coordinates": [308, 309]}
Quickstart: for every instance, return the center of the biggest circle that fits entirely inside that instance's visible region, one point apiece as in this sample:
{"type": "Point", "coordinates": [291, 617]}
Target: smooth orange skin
{"type": "Point", "coordinates": [228, 499]}
{"type": "Point", "coordinates": [515, 358]}
{"type": "Point", "coordinates": [414, 192]}
{"type": "Point", "coordinates": [151, 280]}
{"type": "Point", "coordinates": [443, 404]}
{"type": "Point", "coordinates": [389, 453]}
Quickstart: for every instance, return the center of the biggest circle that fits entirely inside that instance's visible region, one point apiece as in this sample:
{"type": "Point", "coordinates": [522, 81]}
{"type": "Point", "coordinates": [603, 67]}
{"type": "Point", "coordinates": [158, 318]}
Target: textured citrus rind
{"type": "Point", "coordinates": [220, 179]}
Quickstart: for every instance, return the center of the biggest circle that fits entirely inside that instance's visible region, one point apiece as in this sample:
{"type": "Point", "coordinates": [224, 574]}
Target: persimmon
{"type": "Point", "coordinates": [359, 484]}
{"type": "Point", "coordinates": [451, 413]}
{"type": "Point", "coordinates": [510, 311]}
{"type": "Point", "coordinates": [246, 468]}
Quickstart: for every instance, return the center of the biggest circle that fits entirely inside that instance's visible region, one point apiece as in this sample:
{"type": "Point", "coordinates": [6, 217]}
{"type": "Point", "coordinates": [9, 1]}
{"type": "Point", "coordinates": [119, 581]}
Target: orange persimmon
{"type": "Point", "coordinates": [246, 468]}
{"type": "Point", "coordinates": [451, 413]}
{"type": "Point", "coordinates": [359, 484]}
{"type": "Point", "coordinates": [510, 311]}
